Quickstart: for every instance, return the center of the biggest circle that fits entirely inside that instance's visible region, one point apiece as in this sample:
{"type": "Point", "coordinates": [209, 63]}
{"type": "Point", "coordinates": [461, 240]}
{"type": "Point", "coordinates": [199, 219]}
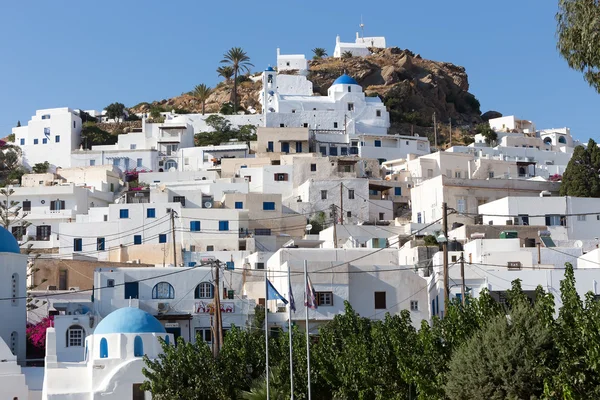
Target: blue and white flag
{"type": "Point", "coordinates": [273, 294]}
{"type": "Point", "coordinates": [292, 301]}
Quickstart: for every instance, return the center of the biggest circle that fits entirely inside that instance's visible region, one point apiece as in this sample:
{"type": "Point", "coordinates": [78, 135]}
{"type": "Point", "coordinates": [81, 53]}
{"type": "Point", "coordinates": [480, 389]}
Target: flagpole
{"type": "Point", "coordinates": [290, 333]}
{"type": "Point", "coordinates": [307, 329]}
{"type": "Point", "coordinates": [267, 330]}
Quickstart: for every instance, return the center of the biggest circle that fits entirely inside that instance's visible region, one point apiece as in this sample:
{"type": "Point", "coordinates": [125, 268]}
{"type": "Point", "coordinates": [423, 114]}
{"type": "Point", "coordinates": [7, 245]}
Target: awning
{"type": "Point", "coordinates": [379, 187]}
{"type": "Point", "coordinates": [173, 317]}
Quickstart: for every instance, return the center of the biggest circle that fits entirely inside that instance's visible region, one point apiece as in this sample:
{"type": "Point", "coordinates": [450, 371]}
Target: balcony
{"type": "Point", "coordinates": [169, 137]}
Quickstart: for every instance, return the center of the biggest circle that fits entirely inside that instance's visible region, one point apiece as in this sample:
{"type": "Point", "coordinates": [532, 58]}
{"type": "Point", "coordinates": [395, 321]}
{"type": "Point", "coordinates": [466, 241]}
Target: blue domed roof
{"type": "Point", "coordinates": [8, 243]}
{"type": "Point", "coordinates": [269, 68]}
{"type": "Point", "coordinates": [129, 320]}
{"type": "Point", "coordinates": [345, 80]}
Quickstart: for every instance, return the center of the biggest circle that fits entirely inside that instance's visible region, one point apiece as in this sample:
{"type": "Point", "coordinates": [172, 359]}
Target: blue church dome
{"type": "Point", "coordinates": [269, 68]}
{"type": "Point", "coordinates": [8, 243]}
{"type": "Point", "coordinates": [345, 80]}
{"type": "Point", "coordinates": [129, 320]}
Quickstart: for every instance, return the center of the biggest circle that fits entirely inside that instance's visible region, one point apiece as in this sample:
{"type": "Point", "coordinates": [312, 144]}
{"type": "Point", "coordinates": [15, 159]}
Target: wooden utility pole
{"type": "Point", "coordinates": [334, 214]}
{"type": "Point", "coordinates": [462, 277]}
{"type": "Point", "coordinates": [218, 325]}
{"type": "Point", "coordinates": [173, 234]}
{"type": "Point", "coordinates": [450, 120]}
{"type": "Point", "coordinates": [341, 203]}
{"type": "Point", "coordinates": [445, 251]}
{"type": "Point", "coordinates": [435, 131]}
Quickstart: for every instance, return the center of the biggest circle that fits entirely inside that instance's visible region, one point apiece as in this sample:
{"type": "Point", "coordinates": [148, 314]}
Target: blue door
{"type": "Point", "coordinates": [176, 333]}
{"type": "Point", "coordinates": [298, 147]}
{"type": "Point", "coordinates": [285, 147]}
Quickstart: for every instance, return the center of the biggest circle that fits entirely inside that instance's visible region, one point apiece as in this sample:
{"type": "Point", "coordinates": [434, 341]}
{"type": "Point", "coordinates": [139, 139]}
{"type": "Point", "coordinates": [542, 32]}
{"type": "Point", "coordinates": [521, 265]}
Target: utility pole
{"type": "Point", "coordinates": [450, 120]}
{"type": "Point", "coordinates": [218, 328]}
{"type": "Point", "coordinates": [435, 131]}
{"type": "Point", "coordinates": [173, 234]}
{"type": "Point", "coordinates": [334, 214]}
{"type": "Point", "coordinates": [462, 277]}
{"type": "Point", "coordinates": [445, 251]}
{"type": "Point", "coordinates": [341, 203]}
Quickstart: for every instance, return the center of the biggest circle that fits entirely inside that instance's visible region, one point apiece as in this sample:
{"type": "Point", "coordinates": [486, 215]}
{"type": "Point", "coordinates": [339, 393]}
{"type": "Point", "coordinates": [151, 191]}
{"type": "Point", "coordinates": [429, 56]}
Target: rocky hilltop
{"type": "Point", "coordinates": [412, 88]}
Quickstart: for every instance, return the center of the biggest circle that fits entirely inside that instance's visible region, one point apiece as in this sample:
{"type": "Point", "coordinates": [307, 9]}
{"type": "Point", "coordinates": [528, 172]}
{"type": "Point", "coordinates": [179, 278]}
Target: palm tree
{"type": "Point", "coordinates": [239, 61]}
{"type": "Point", "coordinates": [201, 92]}
{"type": "Point", "coordinates": [347, 54]}
{"type": "Point", "coordinates": [319, 53]}
{"type": "Point", "coordinates": [225, 71]}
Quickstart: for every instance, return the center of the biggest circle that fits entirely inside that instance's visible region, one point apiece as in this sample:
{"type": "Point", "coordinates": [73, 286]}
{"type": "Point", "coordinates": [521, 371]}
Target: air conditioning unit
{"type": "Point", "coordinates": [74, 288]}
{"type": "Point", "coordinates": [51, 287]}
{"type": "Point", "coordinates": [207, 202]}
{"type": "Point", "coordinates": [163, 307]}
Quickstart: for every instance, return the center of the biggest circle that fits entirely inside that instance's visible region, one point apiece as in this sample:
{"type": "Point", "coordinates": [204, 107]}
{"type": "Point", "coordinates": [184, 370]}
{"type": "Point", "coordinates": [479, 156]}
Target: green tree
{"type": "Point", "coordinates": [319, 53]}
{"type": "Point", "coordinates": [92, 135]}
{"type": "Point", "coordinates": [488, 133]}
{"type": "Point", "coordinates": [115, 111]}
{"type": "Point", "coordinates": [246, 133]}
{"type": "Point", "coordinates": [11, 138]}
{"type": "Point", "coordinates": [227, 109]}
{"type": "Point", "coordinates": [346, 55]}
{"type": "Point", "coordinates": [578, 39]}
{"type": "Point", "coordinates": [226, 72]}
{"type": "Point", "coordinates": [11, 170]}
{"type": "Point", "coordinates": [594, 150]}
{"type": "Point", "coordinates": [258, 391]}
{"type": "Point", "coordinates": [239, 61]}
{"type": "Point", "coordinates": [186, 371]}
{"type": "Point", "coordinates": [41, 168]}
{"type": "Point", "coordinates": [201, 93]}
{"type": "Point", "coordinates": [581, 177]}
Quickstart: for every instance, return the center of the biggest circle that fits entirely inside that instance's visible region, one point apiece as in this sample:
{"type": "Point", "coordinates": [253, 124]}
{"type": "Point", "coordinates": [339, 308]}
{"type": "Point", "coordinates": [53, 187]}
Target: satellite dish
{"type": "Point", "coordinates": [309, 228]}
{"type": "Point", "coordinates": [578, 243]}
{"type": "Point", "coordinates": [208, 204]}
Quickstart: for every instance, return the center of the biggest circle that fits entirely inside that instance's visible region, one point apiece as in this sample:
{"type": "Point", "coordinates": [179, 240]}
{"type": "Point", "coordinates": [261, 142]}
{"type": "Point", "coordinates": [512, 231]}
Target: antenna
{"type": "Point", "coordinates": [362, 27]}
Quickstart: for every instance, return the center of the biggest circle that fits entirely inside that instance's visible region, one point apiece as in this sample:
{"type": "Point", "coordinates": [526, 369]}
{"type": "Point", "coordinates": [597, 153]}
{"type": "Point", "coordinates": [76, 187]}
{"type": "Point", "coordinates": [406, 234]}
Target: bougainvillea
{"type": "Point", "coordinates": [36, 333]}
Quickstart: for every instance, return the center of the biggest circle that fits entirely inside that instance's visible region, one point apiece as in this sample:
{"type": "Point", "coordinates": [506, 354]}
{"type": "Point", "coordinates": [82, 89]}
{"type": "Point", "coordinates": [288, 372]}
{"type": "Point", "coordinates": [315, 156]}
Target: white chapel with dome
{"type": "Point", "coordinates": [113, 363]}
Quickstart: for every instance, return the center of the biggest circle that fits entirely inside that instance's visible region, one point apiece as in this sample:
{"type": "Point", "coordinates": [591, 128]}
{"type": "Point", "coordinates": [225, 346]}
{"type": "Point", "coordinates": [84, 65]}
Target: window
{"type": "Point", "coordinates": [324, 298]}
{"type": "Point", "coordinates": [223, 225]}
{"type": "Point", "coordinates": [270, 147]}
{"type": "Point", "coordinates": [281, 177]}
{"type": "Point", "coordinates": [132, 290]}
{"type": "Point", "coordinates": [77, 244]}
{"type": "Point", "coordinates": [285, 147]}
{"type": "Point", "coordinates": [204, 334]}
{"type": "Point", "coordinates": [419, 219]}
{"type": "Point", "coordinates": [562, 140]}
{"type": "Point", "coordinates": [269, 205]}
{"type": "Point", "coordinates": [491, 174]}
{"type": "Point", "coordinates": [137, 239]}
{"type": "Point", "coordinates": [22, 142]}
{"type": "Point", "coordinates": [351, 194]}
{"type": "Point", "coordinates": [333, 151]}
{"type": "Point", "coordinates": [46, 116]}
{"type": "Point", "coordinates": [381, 216]}
{"type": "Point", "coordinates": [523, 219]}
{"type": "Point", "coordinates": [204, 290]}
{"type": "Point", "coordinates": [335, 125]}
{"type": "Point", "coordinates": [581, 218]}
{"type": "Point", "coordinates": [74, 124]}
{"type": "Point", "coordinates": [163, 290]}
{"type": "Point", "coordinates": [179, 199]}
{"type": "Point", "coordinates": [132, 146]}
{"type": "Point", "coordinates": [123, 213]}
{"type": "Point", "coordinates": [210, 248]}
{"type": "Point", "coordinates": [26, 205]}
{"type": "Point", "coordinates": [116, 162]}
{"type": "Point", "coordinates": [380, 300]}
{"type": "Point", "coordinates": [57, 205]}
{"type": "Point", "coordinates": [110, 283]}
{"type": "Point", "coordinates": [457, 174]}
{"type": "Point", "coordinates": [139, 163]}
{"type": "Point", "coordinates": [350, 106]}
{"type": "Point", "coordinates": [92, 163]}
{"type": "Point", "coordinates": [44, 141]}
{"type": "Point", "coordinates": [138, 347]}
{"type": "Point", "coordinates": [194, 226]}
{"type": "Point", "coordinates": [461, 205]}
{"type": "Point", "coordinates": [323, 194]}
{"type": "Point", "coordinates": [18, 232]}
{"type": "Point", "coordinates": [262, 232]}
{"type": "Point", "coordinates": [414, 305]}
{"type": "Point", "coordinates": [349, 89]}
{"type": "Point", "coordinates": [298, 147]}
{"type": "Point", "coordinates": [151, 213]}
{"type": "Point", "coordinates": [378, 143]}
{"type": "Point", "coordinates": [260, 265]}
{"type": "Point", "coordinates": [348, 214]}
{"type": "Point", "coordinates": [323, 150]}
{"type": "Point", "coordinates": [100, 243]}
{"type": "Point", "coordinates": [35, 141]}
{"type": "Point", "coordinates": [343, 151]}
{"type": "Point", "coordinates": [162, 238]}
{"type": "Point", "coordinates": [192, 249]}
{"type": "Point", "coordinates": [378, 113]}
{"type": "Point", "coordinates": [57, 138]}
{"type": "Point", "coordinates": [103, 348]}
{"type": "Point", "coordinates": [555, 220]}
{"type": "Point", "coordinates": [239, 205]}
{"type": "Point", "coordinates": [397, 191]}
{"type": "Point", "coordinates": [75, 335]}
{"type": "Point", "coordinates": [46, 131]}
{"type": "Point", "coordinates": [313, 167]}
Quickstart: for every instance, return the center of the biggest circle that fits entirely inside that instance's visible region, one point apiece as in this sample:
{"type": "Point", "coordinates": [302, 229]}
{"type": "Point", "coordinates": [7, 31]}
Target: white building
{"type": "Point", "coordinates": [13, 266]}
{"type": "Point", "coordinates": [113, 358]}
{"type": "Point", "coordinates": [559, 214]}
{"type": "Point", "coordinates": [50, 135]}
{"type": "Point", "coordinates": [292, 62]}
{"type": "Point", "coordinates": [360, 47]}
{"type": "Point", "coordinates": [12, 381]}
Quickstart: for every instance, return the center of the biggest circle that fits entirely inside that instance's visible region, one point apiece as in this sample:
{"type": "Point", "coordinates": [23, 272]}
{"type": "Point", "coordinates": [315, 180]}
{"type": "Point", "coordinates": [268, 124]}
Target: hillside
{"type": "Point", "coordinates": [412, 88]}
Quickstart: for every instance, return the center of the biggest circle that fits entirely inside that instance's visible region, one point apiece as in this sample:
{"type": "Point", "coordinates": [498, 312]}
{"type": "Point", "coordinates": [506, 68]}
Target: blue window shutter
{"type": "Point", "coordinates": [103, 348]}
{"type": "Point", "coordinates": [124, 213]}
{"type": "Point", "coordinates": [239, 205]}
{"type": "Point", "coordinates": [137, 239]}
{"type": "Point", "coordinates": [151, 213]}
{"type": "Point", "coordinates": [77, 244]}
{"type": "Point", "coordinates": [230, 265]}
{"type": "Point", "coordinates": [138, 347]}
{"type": "Point", "coordinates": [268, 205]}
{"type": "Point", "coordinates": [162, 238]}
{"type": "Point", "coordinates": [398, 191]}
{"type": "Point", "coordinates": [195, 226]}
{"type": "Point", "coordinates": [223, 225]}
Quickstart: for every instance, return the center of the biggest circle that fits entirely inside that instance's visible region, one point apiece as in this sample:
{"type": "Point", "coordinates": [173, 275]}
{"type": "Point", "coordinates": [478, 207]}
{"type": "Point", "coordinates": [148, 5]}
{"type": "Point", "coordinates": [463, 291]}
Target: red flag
{"type": "Point", "coordinates": [310, 299]}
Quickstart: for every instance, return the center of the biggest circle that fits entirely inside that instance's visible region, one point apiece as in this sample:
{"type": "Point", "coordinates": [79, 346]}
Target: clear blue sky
{"type": "Point", "coordinates": [85, 54]}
